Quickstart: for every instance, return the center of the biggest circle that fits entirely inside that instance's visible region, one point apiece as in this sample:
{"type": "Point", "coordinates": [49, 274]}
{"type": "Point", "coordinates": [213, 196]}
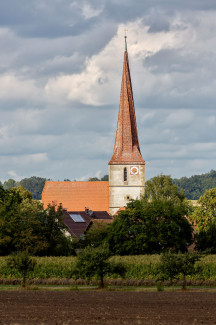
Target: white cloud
{"type": "Point", "coordinates": [87, 9]}
{"type": "Point", "coordinates": [18, 88]}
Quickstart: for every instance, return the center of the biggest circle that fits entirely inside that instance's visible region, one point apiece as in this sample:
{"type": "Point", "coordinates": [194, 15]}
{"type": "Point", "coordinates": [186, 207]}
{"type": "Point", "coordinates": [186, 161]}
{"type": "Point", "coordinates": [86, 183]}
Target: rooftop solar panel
{"type": "Point", "coordinates": [77, 217]}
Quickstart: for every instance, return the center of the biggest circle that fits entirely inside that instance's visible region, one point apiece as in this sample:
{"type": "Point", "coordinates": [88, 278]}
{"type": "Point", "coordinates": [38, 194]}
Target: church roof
{"type": "Point", "coordinates": [76, 196]}
{"type": "Point", "coordinates": [126, 148]}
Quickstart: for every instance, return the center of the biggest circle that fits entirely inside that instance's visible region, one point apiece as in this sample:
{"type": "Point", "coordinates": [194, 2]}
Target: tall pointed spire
{"type": "Point", "coordinates": [126, 148]}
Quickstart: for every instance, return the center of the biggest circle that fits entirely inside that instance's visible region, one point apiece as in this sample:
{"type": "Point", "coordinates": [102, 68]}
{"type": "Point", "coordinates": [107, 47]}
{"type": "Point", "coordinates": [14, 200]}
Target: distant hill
{"type": "Point", "coordinates": [196, 185]}
{"type": "Point", "coordinates": [33, 184]}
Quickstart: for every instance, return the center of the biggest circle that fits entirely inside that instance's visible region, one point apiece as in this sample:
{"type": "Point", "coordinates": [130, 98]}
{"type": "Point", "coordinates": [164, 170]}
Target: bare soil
{"type": "Point", "coordinates": [107, 307]}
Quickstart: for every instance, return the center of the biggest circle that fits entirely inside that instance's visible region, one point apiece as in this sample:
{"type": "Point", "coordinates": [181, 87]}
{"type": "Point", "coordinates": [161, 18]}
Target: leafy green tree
{"type": "Point", "coordinates": [96, 179]}
{"type": "Point", "coordinates": [22, 262]}
{"type": "Point", "coordinates": [34, 185]}
{"type": "Point", "coordinates": [204, 218]}
{"type": "Point", "coordinates": [25, 225]}
{"type": "Point", "coordinates": [20, 223]}
{"type": "Point", "coordinates": [149, 227]}
{"type": "Point", "coordinates": [53, 232]}
{"type": "Point", "coordinates": [93, 179]}
{"type": "Point", "coordinates": [9, 184]}
{"type": "Point", "coordinates": [96, 235]}
{"type": "Point", "coordinates": [94, 262]}
{"type": "Point", "coordinates": [2, 192]}
{"type": "Point", "coordinates": [205, 240]}
{"type": "Point", "coordinates": [175, 266]}
{"type": "Point", "coordinates": [205, 213]}
{"type": "Point", "coordinates": [9, 220]}
{"type": "Point", "coordinates": [162, 188]}
{"type": "Point", "coordinates": [105, 178]}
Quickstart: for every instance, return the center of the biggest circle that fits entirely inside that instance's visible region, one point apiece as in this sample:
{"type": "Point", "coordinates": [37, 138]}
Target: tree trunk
{"type": "Point", "coordinates": [101, 281]}
{"type": "Point", "coordinates": [24, 280]}
{"type": "Point", "coordinates": [184, 283]}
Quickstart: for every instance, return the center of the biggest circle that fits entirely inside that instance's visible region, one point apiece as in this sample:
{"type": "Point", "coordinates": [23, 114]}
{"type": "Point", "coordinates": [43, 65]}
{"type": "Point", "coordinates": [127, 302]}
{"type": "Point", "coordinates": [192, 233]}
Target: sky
{"type": "Point", "coordinates": [60, 77]}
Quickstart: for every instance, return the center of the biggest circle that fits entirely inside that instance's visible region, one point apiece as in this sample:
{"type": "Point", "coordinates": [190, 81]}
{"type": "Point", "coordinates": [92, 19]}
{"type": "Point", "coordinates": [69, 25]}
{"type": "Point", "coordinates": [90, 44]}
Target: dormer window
{"type": "Point", "coordinates": [125, 174]}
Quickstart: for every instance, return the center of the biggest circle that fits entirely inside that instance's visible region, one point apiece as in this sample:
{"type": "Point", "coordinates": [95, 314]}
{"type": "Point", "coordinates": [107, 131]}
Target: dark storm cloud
{"type": "Point", "coordinates": [53, 18]}
{"type": "Point", "coordinates": [46, 19]}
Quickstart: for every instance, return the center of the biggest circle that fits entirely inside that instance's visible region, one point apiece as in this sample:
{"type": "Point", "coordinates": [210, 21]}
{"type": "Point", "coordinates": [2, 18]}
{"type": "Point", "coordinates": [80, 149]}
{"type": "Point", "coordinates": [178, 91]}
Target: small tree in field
{"type": "Point", "coordinates": [172, 266]}
{"type": "Point", "coordinates": [93, 262]}
{"type": "Point", "coordinates": [23, 263]}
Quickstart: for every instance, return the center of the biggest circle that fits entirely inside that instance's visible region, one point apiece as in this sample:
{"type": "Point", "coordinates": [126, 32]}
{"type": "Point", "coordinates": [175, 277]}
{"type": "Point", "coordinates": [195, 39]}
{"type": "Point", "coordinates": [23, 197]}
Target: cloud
{"type": "Point", "coordinates": [14, 88]}
{"type": "Point", "coordinates": [60, 74]}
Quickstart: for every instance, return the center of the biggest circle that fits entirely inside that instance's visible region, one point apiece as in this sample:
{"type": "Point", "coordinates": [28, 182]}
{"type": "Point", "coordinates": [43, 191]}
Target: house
{"type": "Point", "coordinates": [78, 222]}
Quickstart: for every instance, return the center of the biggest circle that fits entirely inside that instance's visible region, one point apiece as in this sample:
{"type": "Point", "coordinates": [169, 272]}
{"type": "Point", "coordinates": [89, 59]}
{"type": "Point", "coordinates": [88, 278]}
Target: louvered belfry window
{"type": "Point", "coordinates": [125, 174]}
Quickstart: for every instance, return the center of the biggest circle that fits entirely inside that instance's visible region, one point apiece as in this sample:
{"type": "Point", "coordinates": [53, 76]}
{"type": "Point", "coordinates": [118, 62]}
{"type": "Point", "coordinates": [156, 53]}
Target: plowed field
{"type": "Point", "coordinates": [107, 307]}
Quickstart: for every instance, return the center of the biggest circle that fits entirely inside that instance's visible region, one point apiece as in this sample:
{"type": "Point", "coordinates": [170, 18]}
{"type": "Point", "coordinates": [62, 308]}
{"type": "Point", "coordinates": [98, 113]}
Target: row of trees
{"type": "Point", "coordinates": [163, 220]}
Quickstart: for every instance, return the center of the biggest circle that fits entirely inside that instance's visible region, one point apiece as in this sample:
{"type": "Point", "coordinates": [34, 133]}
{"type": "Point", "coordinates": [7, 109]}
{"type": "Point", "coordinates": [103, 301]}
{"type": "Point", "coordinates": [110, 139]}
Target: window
{"type": "Point", "coordinates": [76, 217]}
{"type": "Point", "coordinates": [125, 174]}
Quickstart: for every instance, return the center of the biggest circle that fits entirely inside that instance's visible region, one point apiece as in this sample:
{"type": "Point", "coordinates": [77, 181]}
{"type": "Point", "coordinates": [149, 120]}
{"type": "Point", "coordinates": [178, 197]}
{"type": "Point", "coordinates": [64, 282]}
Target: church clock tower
{"type": "Point", "coordinates": [126, 167]}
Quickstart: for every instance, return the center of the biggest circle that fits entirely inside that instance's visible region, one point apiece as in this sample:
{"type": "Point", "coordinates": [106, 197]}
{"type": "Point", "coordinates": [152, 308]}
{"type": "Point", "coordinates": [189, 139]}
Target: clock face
{"type": "Point", "coordinates": [134, 170]}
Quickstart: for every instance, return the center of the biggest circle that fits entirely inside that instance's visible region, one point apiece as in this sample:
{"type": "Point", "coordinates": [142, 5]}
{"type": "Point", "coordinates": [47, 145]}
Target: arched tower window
{"type": "Point", "coordinates": [125, 174]}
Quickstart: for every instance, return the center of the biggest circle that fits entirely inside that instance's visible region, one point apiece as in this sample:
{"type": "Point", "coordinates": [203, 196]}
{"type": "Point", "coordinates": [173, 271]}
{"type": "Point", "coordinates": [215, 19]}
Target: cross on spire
{"type": "Point", "coordinates": [125, 39]}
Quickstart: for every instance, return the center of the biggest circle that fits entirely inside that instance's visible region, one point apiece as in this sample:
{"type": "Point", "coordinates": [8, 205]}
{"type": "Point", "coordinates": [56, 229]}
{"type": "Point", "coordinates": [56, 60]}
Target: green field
{"type": "Point", "coordinates": [142, 267]}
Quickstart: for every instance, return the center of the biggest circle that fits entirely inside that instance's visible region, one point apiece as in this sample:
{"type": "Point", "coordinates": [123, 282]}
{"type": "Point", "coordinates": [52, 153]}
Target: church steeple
{"type": "Point", "coordinates": [126, 167]}
{"type": "Point", "coordinates": [126, 148]}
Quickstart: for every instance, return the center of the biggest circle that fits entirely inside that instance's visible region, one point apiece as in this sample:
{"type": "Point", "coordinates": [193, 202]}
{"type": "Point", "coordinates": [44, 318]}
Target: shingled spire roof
{"type": "Point", "coordinates": [126, 149]}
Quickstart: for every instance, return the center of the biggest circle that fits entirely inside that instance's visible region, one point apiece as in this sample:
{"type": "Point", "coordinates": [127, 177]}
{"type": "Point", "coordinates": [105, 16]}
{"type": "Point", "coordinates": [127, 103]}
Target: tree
{"type": "Point", "coordinates": [94, 262]}
{"type": "Point", "coordinates": [96, 235]}
{"type": "Point", "coordinates": [26, 226]}
{"type": "Point", "coordinates": [205, 213]}
{"type": "Point", "coordinates": [9, 184]}
{"type": "Point", "coordinates": [93, 179]}
{"type": "Point", "coordinates": [22, 262]}
{"type": "Point", "coordinates": [205, 240]}
{"type": "Point", "coordinates": [204, 218]}
{"type": "Point", "coordinates": [9, 220]}
{"type": "Point", "coordinates": [162, 188]}
{"type": "Point", "coordinates": [52, 231]}
{"type": "Point", "coordinates": [105, 178]}
{"type": "Point", "coordinates": [34, 185]}
{"type": "Point", "coordinates": [149, 227]}
{"type": "Point", "coordinates": [96, 179]}
{"type": "Point", "coordinates": [173, 266]}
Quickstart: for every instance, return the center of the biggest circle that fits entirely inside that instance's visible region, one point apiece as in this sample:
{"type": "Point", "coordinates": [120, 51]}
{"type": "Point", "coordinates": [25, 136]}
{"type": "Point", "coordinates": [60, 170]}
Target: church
{"type": "Point", "coordinates": [126, 169]}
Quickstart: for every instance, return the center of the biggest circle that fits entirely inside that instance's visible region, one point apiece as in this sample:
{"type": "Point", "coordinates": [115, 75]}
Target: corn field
{"type": "Point", "coordinates": [142, 267]}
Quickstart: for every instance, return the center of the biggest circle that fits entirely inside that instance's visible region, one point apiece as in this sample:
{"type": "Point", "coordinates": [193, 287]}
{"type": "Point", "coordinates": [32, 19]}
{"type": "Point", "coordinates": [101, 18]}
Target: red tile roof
{"type": "Point", "coordinates": [76, 196]}
{"type": "Point", "coordinates": [126, 149]}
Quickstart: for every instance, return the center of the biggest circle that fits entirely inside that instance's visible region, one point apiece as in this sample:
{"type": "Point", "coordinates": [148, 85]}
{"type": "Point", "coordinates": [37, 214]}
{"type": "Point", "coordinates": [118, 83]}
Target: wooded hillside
{"type": "Point", "coordinates": [196, 185]}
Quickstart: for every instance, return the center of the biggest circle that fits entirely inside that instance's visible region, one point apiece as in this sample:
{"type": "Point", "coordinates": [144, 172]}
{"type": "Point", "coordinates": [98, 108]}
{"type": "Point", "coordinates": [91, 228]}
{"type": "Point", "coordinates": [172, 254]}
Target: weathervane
{"type": "Point", "coordinates": [125, 39]}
